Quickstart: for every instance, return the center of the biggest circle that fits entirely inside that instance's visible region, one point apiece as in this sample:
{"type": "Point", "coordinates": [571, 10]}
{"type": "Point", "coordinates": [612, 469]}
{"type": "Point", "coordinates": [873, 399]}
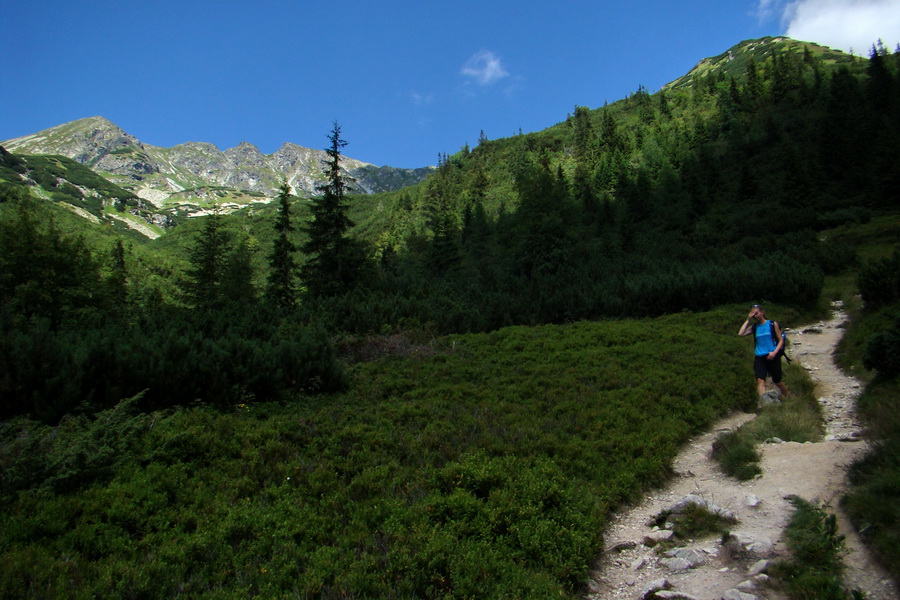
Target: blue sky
{"type": "Point", "coordinates": [406, 80]}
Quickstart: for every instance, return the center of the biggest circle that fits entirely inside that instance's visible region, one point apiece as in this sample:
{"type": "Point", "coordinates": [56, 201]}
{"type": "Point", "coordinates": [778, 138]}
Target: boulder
{"type": "Point", "coordinates": [770, 398]}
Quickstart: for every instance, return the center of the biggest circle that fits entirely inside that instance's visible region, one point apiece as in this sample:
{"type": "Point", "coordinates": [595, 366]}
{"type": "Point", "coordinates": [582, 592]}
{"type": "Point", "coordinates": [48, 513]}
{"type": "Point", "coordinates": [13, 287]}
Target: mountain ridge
{"type": "Point", "coordinates": [196, 178]}
{"type": "Point", "coordinates": [162, 175]}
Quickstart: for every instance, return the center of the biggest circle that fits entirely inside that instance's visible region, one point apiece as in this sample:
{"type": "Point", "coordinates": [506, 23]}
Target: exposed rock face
{"type": "Point", "coordinates": [158, 173]}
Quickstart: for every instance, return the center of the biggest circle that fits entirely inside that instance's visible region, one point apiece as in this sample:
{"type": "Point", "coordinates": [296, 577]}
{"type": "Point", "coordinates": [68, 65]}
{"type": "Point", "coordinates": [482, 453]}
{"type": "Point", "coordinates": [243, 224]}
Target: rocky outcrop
{"type": "Point", "coordinates": [158, 173]}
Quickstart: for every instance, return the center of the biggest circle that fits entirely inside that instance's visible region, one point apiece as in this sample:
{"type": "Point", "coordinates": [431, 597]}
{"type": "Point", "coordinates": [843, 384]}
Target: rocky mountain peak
{"type": "Point", "coordinates": [83, 140]}
{"type": "Point", "coordinates": [246, 153]}
{"type": "Point", "coordinates": [194, 173]}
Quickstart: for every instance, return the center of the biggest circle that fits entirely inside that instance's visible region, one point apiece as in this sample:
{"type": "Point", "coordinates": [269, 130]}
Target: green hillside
{"type": "Point", "coordinates": [76, 187]}
{"type": "Point", "coordinates": [438, 392]}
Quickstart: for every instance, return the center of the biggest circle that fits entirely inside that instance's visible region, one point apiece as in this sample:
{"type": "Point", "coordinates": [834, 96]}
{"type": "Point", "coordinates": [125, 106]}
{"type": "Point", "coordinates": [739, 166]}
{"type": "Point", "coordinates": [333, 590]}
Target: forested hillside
{"type": "Point", "coordinates": [709, 191]}
{"type": "Point", "coordinates": [712, 190]}
{"type": "Point", "coordinates": [196, 415]}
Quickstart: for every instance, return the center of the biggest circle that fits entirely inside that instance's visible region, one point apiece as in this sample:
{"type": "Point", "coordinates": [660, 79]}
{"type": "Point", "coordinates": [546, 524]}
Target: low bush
{"type": "Point", "coordinates": [815, 569]}
{"type": "Point", "coordinates": [882, 352]}
{"type": "Point", "coordinates": [482, 469]}
{"type": "Point", "coordinates": [173, 358]}
{"type": "Point", "coordinates": [737, 455]}
{"type": "Point", "coordinates": [873, 503]}
{"type": "Point", "coordinates": [696, 522]}
{"type": "Point", "coordinates": [879, 280]}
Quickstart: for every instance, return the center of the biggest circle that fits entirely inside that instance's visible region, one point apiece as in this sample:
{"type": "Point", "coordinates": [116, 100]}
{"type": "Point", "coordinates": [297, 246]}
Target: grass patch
{"type": "Point", "coordinates": [873, 503]}
{"type": "Point", "coordinates": [798, 418]}
{"type": "Point", "coordinates": [737, 455]}
{"type": "Point", "coordinates": [696, 522]}
{"type": "Point", "coordinates": [815, 569]}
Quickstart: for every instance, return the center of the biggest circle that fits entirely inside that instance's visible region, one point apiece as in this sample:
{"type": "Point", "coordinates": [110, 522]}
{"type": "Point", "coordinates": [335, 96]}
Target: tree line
{"type": "Point", "coordinates": [679, 200]}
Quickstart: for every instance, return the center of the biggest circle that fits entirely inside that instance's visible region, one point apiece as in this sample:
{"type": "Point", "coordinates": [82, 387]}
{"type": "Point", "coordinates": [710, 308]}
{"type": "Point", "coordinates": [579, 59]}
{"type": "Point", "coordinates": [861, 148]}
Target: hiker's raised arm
{"type": "Point", "coordinates": [747, 327]}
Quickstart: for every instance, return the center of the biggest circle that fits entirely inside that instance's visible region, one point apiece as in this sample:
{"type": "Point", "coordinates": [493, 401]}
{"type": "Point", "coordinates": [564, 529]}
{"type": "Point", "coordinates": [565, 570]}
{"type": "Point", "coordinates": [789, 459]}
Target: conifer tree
{"type": "Point", "coordinates": [117, 280]}
{"type": "Point", "coordinates": [332, 265]}
{"type": "Point", "coordinates": [237, 280]}
{"type": "Point", "coordinates": [43, 272]}
{"type": "Point", "coordinates": [444, 253]}
{"type": "Point", "coordinates": [753, 87]}
{"type": "Point", "coordinates": [282, 290]}
{"type": "Point", "coordinates": [203, 287]}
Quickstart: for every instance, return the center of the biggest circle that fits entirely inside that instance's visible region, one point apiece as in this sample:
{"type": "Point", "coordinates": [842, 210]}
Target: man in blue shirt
{"type": "Point", "coordinates": [769, 342]}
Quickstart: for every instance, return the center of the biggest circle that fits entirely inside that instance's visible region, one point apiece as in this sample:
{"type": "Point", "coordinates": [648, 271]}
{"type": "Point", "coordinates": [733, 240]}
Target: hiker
{"type": "Point", "coordinates": [769, 343]}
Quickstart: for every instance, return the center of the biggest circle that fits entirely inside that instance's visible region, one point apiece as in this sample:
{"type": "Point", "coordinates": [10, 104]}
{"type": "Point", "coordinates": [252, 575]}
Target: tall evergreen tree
{"type": "Point", "coordinates": [332, 264]}
{"type": "Point", "coordinates": [281, 290]}
{"type": "Point", "coordinates": [43, 271]}
{"type": "Point", "coordinates": [203, 287]}
{"type": "Point", "coordinates": [237, 280]}
{"type": "Point", "coordinates": [753, 87]}
{"type": "Point", "coordinates": [443, 219]}
{"type": "Point", "coordinates": [117, 280]}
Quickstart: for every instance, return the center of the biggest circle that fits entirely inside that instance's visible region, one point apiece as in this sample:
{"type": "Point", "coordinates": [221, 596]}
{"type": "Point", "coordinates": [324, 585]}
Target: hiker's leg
{"type": "Point", "coordinates": [775, 370]}
{"type": "Point", "coordinates": [761, 371]}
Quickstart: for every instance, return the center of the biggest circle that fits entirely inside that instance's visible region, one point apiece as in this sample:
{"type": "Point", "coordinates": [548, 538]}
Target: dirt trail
{"type": "Point", "coordinates": [812, 471]}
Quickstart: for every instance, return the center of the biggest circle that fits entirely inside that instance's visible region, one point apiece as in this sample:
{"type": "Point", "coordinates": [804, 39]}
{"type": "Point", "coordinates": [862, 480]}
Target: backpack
{"type": "Point", "coordinates": [781, 352]}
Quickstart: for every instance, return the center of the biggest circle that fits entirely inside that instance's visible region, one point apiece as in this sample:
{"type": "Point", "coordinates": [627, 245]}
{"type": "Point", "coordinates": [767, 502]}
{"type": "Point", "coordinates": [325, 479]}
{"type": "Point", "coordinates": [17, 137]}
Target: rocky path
{"type": "Point", "coordinates": [631, 568]}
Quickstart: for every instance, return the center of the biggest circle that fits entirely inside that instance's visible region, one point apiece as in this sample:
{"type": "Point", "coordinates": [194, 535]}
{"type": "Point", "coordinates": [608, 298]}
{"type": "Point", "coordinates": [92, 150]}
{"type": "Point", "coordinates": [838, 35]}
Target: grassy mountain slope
{"type": "Point", "coordinates": [193, 177]}
{"type": "Point", "coordinates": [249, 460]}
{"type": "Point", "coordinates": [734, 61]}
{"type": "Point", "coordinates": [76, 187]}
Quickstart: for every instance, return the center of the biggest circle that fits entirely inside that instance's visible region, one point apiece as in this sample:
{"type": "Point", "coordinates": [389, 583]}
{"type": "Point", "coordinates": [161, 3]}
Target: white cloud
{"type": "Point", "coordinates": [422, 99]}
{"type": "Point", "coordinates": [767, 9]}
{"type": "Point", "coordinates": [845, 24]}
{"type": "Point", "coordinates": [484, 67]}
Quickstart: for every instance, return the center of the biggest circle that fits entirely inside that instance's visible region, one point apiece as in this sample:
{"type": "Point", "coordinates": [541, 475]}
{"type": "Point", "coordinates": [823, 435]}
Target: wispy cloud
{"type": "Point", "coordinates": [845, 24]}
{"type": "Point", "coordinates": [484, 68]}
{"type": "Point", "coordinates": [766, 10]}
{"type": "Point", "coordinates": [422, 99]}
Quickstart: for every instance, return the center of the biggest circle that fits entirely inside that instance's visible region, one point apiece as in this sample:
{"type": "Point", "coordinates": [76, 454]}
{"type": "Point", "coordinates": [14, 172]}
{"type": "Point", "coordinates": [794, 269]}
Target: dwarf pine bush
{"type": "Point", "coordinates": [483, 468]}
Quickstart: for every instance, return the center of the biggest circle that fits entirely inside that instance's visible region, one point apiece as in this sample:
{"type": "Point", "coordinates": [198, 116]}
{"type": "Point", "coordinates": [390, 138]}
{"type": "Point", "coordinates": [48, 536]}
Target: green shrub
{"type": "Point", "coordinates": [695, 522]}
{"type": "Point", "coordinates": [883, 350]}
{"type": "Point", "coordinates": [879, 281]}
{"type": "Point", "coordinates": [76, 453]}
{"type": "Point", "coordinates": [737, 455]}
{"type": "Point", "coordinates": [814, 572]}
{"type": "Point", "coordinates": [171, 357]}
{"type": "Point", "coordinates": [481, 469]}
{"type": "Point", "coordinates": [873, 502]}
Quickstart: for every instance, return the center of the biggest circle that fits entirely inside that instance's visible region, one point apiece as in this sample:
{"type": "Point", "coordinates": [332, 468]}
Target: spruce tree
{"type": "Point", "coordinates": [238, 288]}
{"type": "Point", "coordinates": [331, 266]}
{"type": "Point", "coordinates": [282, 290]}
{"type": "Point", "coordinates": [444, 252]}
{"type": "Point", "coordinates": [203, 287]}
{"type": "Point", "coordinates": [117, 279]}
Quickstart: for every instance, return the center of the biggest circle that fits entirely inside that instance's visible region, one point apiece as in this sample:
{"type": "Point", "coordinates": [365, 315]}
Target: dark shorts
{"type": "Point", "coordinates": [763, 366]}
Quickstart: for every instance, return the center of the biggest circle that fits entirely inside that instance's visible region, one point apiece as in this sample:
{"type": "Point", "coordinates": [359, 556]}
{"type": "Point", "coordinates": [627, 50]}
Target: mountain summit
{"type": "Point", "coordinates": [189, 172]}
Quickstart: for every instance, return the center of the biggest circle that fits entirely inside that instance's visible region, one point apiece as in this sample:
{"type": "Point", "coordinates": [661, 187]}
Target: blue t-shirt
{"type": "Point", "coordinates": [765, 338]}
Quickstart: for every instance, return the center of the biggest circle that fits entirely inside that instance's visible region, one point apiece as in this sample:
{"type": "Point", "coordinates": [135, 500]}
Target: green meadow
{"type": "Point", "coordinates": [479, 465]}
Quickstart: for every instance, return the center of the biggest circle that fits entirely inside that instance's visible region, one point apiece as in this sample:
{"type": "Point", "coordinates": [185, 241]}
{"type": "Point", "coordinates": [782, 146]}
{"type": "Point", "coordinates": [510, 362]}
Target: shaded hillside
{"type": "Point", "coordinates": [707, 192]}
{"type": "Point", "coordinates": [710, 191]}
